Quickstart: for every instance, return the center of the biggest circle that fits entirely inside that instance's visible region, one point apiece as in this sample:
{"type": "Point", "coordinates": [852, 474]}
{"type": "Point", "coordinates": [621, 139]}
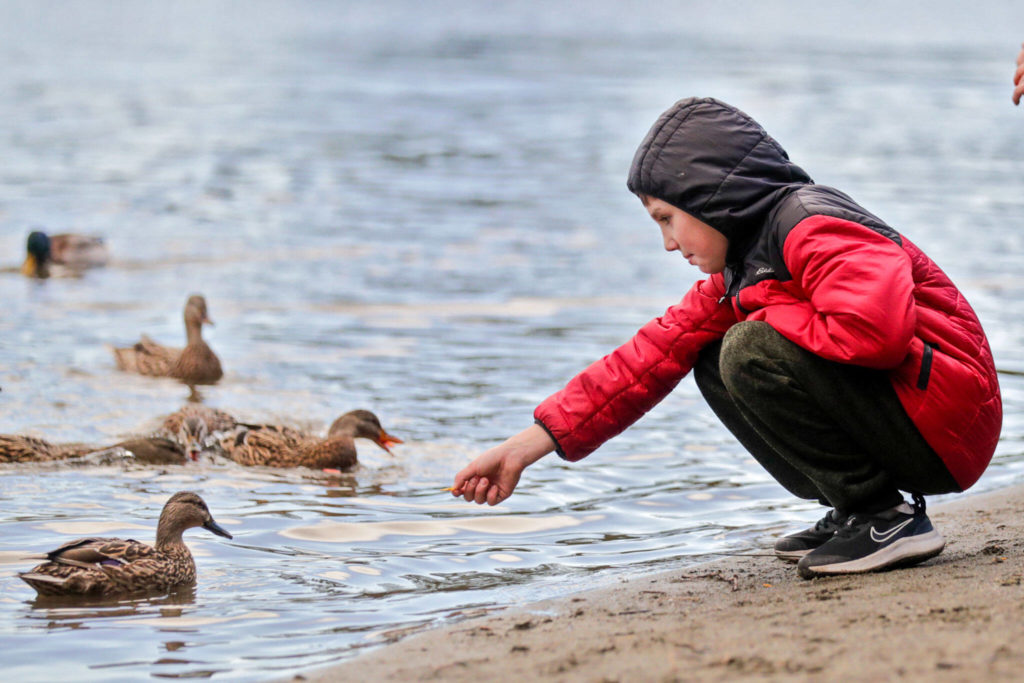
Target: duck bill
{"type": "Point", "coordinates": [217, 529]}
{"type": "Point", "coordinates": [30, 268]}
{"type": "Point", "coordinates": [192, 449]}
{"type": "Point", "coordinates": [386, 441]}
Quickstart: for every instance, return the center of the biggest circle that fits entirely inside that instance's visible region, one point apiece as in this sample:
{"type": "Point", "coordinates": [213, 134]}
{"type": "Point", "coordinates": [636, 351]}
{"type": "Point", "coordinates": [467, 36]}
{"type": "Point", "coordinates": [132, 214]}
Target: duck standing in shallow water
{"type": "Point", "coordinates": [195, 364]}
{"type": "Point", "coordinates": [110, 566]}
{"type": "Point", "coordinates": [281, 446]}
{"type": "Point", "coordinates": [64, 254]}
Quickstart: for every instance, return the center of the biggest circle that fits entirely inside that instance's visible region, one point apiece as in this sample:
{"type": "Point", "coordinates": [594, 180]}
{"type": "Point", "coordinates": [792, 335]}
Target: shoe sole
{"type": "Point", "coordinates": [905, 552]}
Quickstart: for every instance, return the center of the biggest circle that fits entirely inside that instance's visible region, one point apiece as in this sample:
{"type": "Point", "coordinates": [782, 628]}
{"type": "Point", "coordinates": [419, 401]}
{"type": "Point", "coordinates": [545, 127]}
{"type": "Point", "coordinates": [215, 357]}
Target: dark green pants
{"type": "Point", "coordinates": [824, 430]}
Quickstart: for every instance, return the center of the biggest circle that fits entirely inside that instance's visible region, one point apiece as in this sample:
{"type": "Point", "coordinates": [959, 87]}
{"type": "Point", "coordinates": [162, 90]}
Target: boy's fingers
{"type": "Point", "coordinates": [460, 483]}
{"type": "Point", "coordinates": [481, 490]}
{"type": "Point", "coordinates": [494, 496]}
{"type": "Point", "coordinates": [469, 489]}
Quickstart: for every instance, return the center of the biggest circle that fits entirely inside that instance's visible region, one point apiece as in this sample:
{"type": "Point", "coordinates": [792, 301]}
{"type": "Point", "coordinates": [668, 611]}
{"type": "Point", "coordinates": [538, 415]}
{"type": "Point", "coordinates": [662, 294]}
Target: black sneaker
{"type": "Point", "coordinates": [899, 537]}
{"type": "Point", "coordinates": [791, 548]}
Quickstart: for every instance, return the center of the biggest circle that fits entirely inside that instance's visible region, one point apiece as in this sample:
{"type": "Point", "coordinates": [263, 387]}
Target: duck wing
{"type": "Point", "coordinates": [154, 450]}
{"type": "Point", "coordinates": [93, 552]}
{"type": "Point", "coordinates": [104, 566]}
{"type": "Point", "coordinates": [267, 445]}
{"type": "Point", "coordinates": [147, 357]}
{"type": "Point", "coordinates": [18, 448]}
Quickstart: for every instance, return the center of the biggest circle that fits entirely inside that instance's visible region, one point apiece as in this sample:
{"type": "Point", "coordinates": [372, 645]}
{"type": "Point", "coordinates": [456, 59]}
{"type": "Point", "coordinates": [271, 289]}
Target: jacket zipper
{"type": "Point", "coordinates": [926, 366]}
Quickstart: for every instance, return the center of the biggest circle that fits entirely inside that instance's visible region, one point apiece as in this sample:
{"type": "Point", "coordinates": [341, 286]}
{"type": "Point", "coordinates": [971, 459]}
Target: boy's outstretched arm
{"type": "Point", "coordinates": [1018, 77]}
{"type": "Point", "coordinates": [493, 475]}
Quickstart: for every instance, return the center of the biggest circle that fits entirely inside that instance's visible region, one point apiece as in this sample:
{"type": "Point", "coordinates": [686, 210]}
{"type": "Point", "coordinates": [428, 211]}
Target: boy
{"type": "Point", "coordinates": [839, 354]}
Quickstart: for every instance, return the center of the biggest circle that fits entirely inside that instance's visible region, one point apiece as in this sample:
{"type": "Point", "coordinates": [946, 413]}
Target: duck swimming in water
{"type": "Point", "coordinates": [20, 448]}
{"type": "Point", "coordinates": [155, 450]}
{"type": "Point", "coordinates": [111, 566]}
{"type": "Point", "coordinates": [282, 446]}
{"type": "Point", "coordinates": [194, 364]}
{"type": "Point", "coordinates": [63, 254]}
{"type": "Point", "coordinates": [193, 425]}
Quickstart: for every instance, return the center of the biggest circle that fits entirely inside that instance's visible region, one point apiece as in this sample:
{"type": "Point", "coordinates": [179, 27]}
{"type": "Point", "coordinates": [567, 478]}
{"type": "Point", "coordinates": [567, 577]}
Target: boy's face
{"type": "Point", "coordinates": [698, 242]}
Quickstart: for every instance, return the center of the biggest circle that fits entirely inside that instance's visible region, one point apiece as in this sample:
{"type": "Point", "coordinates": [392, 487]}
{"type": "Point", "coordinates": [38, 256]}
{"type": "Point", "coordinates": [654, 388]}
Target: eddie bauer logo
{"type": "Point", "coordinates": [764, 270]}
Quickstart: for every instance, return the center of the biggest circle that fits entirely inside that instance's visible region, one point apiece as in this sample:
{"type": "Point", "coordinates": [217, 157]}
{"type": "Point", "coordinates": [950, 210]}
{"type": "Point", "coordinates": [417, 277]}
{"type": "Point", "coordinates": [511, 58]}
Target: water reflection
{"type": "Point", "coordinates": [339, 532]}
{"type": "Point", "coordinates": [73, 611]}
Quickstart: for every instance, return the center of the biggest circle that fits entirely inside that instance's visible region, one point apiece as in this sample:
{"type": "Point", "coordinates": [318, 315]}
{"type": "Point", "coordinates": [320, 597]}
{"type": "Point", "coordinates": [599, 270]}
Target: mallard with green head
{"type": "Point", "coordinates": [114, 566]}
{"type": "Point", "coordinates": [63, 254]}
{"type": "Point", "coordinates": [194, 364]}
{"type": "Point", "coordinates": [282, 446]}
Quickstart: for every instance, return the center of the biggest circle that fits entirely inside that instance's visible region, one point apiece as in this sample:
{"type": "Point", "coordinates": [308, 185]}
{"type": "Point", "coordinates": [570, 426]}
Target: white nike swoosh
{"type": "Point", "coordinates": [882, 538]}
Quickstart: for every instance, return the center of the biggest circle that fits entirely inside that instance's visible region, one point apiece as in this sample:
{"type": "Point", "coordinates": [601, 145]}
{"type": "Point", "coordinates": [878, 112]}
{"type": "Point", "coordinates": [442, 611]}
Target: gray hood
{"type": "Point", "coordinates": [717, 164]}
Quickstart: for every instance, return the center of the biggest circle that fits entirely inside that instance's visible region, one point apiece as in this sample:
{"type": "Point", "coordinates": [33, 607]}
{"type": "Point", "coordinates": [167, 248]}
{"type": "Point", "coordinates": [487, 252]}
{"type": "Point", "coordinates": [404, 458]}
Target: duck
{"type": "Point", "coordinates": [283, 446]}
{"type": "Point", "coordinates": [194, 364]}
{"type": "Point", "coordinates": [23, 448]}
{"type": "Point", "coordinates": [153, 450]}
{"type": "Point", "coordinates": [157, 450]}
{"type": "Point", "coordinates": [192, 425]}
{"type": "Point", "coordinates": [71, 253]}
{"type": "Point", "coordinates": [112, 566]}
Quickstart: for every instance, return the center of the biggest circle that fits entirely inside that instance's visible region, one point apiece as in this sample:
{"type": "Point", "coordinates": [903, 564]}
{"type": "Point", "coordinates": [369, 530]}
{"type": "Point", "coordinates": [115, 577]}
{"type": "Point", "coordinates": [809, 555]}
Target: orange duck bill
{"type": "Point", "coordinates": [385, 440]}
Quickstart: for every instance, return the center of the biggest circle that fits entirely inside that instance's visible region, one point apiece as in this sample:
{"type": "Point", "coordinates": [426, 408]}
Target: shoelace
{"type": "Point", "coordinates": [829, 520]}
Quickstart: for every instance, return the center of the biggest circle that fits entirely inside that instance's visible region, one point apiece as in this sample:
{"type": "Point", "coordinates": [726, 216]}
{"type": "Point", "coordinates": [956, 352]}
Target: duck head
{"type": "Point", "coordinates": [363, 424]}
{"type": "Point", "coordinates": [37, 256]}
{"type": "Point", "coordinates": [193, 435]}
{"type": "Point", "coordinates": [185, 510]}
{"type": "Point", "coordinates": [195, 311]}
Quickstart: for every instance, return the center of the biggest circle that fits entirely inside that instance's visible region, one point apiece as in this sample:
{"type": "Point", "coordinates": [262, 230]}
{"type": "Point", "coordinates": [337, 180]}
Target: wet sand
{"type": "Point", "coordinates": [960, 616]}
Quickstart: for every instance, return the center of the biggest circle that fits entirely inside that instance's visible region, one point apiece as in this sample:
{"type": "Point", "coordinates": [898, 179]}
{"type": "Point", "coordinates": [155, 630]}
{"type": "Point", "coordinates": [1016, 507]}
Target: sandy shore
{"type": "Point", "coordinates": [958, 617]}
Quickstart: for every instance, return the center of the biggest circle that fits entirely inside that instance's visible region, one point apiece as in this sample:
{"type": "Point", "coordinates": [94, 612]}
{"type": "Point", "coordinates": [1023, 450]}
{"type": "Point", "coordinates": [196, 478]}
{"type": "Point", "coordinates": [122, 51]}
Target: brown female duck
{"type": "Point", "coordinates": [109, 566]}
{"type": "Point", "coordinates": [193, 424]}
{"type": "Point", "coordinates": [64, 254]}
{"type": "Point", "coordinates": [17, 448]}
{"type": "Point", "coordinates": [281, 446]}
{"type": "Point", "coordinates": [195, 364]}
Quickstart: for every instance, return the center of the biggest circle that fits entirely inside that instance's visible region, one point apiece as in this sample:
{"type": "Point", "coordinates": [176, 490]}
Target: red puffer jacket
{"type": "Point", "coordinates": [855, 297]}
{"type": "Point", "coordinates": [828, 275]}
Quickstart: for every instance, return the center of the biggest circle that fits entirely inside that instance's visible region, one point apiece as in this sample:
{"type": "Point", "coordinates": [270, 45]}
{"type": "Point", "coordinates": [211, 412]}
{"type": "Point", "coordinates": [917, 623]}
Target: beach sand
{"type": "Point", "coordinates": [958, 617]}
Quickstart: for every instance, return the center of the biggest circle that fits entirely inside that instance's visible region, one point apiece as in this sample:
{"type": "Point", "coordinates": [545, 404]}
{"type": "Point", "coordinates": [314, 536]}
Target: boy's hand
{"type": "Point", "coordinates": [491, 478]}
{"type": "Point", "coordinates": [493, 475]}
{"type": "Point", "coordinates": [1018, 77]}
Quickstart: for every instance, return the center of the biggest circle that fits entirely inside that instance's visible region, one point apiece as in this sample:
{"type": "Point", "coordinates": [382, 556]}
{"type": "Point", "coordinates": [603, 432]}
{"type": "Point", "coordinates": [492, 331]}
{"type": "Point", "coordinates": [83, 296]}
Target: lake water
{"type": "Point", "coordinates": [420, 208]}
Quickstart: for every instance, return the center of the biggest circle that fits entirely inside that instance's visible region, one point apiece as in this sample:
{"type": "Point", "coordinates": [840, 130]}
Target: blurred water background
{"type": "Point", "coordinates": [420, 208]}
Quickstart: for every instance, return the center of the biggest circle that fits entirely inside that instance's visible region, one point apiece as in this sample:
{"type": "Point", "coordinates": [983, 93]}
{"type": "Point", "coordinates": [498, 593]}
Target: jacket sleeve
{"type": "Point", "coordinates": [615, 391]}
{"type": "Point", "coordinates": [854, 299]}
